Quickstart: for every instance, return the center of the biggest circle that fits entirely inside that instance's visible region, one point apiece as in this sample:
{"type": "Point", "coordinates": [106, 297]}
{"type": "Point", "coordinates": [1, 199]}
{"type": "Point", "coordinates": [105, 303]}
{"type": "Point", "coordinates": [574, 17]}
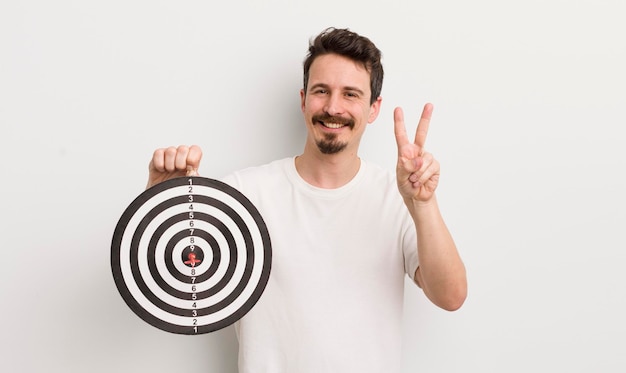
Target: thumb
{"type": "Point", "coordinates": [192, 171]}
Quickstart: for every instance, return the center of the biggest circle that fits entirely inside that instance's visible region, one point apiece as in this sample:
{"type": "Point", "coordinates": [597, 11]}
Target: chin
{"type": "Point", "coordinates": [334, 147]}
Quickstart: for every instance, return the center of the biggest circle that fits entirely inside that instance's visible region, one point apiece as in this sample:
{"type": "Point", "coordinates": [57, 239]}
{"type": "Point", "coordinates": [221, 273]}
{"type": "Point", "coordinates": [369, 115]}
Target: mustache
{"type": "Point", "coordinates": [327, 118]}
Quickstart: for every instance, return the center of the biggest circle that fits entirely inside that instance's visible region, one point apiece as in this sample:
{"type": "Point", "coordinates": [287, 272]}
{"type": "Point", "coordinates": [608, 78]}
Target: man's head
{"type": "Point", "coordinates": [351, 45]}
{"type": "Point", "coordinates": [341, 95]}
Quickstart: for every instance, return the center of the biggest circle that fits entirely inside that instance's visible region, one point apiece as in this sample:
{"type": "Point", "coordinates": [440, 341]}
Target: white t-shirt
{"type": "Point", "coordinates": [335, 295]}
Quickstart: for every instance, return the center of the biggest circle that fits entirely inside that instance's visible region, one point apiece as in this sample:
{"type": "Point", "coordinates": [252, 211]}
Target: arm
{"type": "Point", "coordinates": [168, 163]}
{"type": "Point", "coordinates": [441, 273]}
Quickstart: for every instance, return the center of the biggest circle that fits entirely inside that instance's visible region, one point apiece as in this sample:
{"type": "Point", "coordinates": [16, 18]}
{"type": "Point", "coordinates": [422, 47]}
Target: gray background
{"type": "Point", "coordinates": [529, 108]}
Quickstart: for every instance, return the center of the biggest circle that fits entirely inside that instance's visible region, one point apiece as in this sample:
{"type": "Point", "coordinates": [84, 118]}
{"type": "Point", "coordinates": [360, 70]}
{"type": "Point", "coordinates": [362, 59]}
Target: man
{"type": "Point", "coordinates": [343, 238]}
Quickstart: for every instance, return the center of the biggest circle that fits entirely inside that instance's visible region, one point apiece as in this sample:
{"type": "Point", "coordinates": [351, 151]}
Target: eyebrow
{"type": "Point", "coordinates": [348, 88]}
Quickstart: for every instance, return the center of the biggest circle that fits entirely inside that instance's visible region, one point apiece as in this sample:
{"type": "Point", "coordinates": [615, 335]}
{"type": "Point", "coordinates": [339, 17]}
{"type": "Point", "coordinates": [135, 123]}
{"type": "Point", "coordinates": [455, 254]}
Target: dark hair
{"type": "Point", "coordinates": [351, 45]}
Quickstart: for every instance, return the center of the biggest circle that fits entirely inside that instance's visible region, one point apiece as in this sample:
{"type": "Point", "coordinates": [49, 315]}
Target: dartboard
{"type": "Point", "coordinates": [191, 255]}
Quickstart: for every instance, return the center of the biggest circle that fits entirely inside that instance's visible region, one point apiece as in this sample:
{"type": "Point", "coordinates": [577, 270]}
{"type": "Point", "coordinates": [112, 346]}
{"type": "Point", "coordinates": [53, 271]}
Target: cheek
{"type": "Point", "coordinates": [313, 103]}
{"type": "Point", "coordinates": [312, 108]}
{"type": "Point", "coordinates": [371, 115]}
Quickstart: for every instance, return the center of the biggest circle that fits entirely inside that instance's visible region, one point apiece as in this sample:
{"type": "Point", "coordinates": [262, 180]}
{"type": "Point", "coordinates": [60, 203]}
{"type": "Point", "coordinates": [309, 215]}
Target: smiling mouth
{"type": "Point", "coordinates": [332, 125]}
{"type": "Point", "coordinates": [332, 122]}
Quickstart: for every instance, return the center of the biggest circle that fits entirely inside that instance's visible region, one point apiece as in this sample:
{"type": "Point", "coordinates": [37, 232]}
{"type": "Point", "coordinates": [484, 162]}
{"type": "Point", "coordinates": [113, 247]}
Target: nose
{"type": "Point", "coordinates": [333, 104]}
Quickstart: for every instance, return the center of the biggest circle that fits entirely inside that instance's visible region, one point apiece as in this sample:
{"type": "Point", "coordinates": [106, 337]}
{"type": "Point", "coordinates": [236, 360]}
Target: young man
{"type": "Point", "coordinates": [343, 238]}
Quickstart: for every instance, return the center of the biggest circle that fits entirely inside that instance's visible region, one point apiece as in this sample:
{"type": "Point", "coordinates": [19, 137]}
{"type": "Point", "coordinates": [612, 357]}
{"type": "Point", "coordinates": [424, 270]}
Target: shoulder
{"type": "Point", "coordinates": [257, 175]}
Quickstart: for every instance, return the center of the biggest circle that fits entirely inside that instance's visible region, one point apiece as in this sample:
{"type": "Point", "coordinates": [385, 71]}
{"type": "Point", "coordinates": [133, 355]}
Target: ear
{"type": "Point", "coordinates": [302, 99]}
{"type": "Point", "coordinates": [375, 109]}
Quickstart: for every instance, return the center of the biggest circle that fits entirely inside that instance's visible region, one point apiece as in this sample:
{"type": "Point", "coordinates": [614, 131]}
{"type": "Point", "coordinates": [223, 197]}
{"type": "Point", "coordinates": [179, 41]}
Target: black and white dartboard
{"type": "Point", "coordinates": [191, 255]}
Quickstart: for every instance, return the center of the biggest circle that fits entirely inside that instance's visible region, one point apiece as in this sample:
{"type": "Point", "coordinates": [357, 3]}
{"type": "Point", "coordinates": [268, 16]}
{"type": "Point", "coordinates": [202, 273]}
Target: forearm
{"type": "Point", "coordinates": [441, 272]}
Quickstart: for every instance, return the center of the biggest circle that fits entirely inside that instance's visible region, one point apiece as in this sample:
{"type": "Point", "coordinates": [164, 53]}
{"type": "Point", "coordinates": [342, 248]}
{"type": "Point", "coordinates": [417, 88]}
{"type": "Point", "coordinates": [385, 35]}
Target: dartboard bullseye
{"type": "Point", "coordinates": [191, 255]}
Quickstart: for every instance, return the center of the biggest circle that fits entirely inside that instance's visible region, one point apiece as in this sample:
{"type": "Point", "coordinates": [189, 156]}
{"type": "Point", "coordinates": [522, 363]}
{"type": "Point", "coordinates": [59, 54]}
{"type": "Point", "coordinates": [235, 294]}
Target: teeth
{"type": "Point", "coordinates": [333, 125]}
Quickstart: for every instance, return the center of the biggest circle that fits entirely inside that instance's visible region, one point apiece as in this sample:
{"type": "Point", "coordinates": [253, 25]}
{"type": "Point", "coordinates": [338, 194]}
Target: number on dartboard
{"type": "Point", "coordinates": [192, 247]}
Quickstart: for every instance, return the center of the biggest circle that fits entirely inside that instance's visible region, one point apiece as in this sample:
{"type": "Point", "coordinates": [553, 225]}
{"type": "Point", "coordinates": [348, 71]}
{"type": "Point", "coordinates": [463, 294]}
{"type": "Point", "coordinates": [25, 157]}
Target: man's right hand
{"type": "Point", "coordinates": [168, 163]}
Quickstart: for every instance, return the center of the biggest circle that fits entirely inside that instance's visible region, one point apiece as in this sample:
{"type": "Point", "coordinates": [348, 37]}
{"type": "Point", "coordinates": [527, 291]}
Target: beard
{"type": "Point", "coordinates": [330, 145]}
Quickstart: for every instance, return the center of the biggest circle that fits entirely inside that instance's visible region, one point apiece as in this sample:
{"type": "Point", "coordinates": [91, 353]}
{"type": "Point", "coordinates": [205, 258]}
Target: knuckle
{"type": "Point", "coordinates": [170, 151]}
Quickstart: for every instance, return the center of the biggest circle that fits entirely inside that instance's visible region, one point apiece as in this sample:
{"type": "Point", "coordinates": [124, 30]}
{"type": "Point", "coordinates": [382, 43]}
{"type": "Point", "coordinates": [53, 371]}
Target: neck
{"type": "Point", "coordinates": [329, 171]}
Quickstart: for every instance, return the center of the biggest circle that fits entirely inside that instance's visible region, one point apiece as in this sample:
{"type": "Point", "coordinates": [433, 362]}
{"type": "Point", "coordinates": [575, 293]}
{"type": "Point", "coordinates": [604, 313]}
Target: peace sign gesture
{"type": "Point", "coordinates": [417, 171]}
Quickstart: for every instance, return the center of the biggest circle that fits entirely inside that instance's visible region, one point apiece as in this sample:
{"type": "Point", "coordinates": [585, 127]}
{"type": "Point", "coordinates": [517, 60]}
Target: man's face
{"type": "Point", "coordinates": [336, 105]}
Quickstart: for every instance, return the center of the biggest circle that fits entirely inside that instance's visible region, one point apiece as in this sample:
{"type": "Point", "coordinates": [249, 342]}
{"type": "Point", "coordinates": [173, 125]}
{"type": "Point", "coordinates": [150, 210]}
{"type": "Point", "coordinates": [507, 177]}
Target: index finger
{"type": "Point", "coordinates": [399, 128]}
{"type": "Point", "coordinates": [422, 126]}
{"type": "Point", "coordinates": [193, 158]}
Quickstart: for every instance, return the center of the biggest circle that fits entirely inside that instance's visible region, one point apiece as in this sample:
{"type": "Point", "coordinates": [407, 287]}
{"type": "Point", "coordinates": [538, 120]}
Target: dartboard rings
{"type": "Point", "coordinates": [191, 255]}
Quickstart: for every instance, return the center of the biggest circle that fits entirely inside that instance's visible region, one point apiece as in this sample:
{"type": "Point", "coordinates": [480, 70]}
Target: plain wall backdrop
{"type": "Point", "coordinates": [529, 120]}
